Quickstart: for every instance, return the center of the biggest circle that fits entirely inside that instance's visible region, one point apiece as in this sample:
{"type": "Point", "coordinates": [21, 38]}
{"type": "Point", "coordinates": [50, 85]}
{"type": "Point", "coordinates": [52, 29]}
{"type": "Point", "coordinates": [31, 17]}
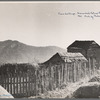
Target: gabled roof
{"type": "Point", "coordinates": [69, 57]}
{"type": "Point", "coordinates": [83, 44]}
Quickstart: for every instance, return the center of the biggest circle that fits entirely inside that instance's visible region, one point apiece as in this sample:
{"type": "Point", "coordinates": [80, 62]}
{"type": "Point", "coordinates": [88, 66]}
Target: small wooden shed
{"type": "Point", "coordinates": [84, 47]}
{"type": "Point", "coordinates": [90, 49]}
{"type": "Point", "coordinates": [70, 66]}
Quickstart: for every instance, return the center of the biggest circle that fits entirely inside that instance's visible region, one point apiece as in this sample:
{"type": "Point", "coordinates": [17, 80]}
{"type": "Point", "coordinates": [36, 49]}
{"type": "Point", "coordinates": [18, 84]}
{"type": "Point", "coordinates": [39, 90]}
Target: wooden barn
{"type": "Point", "coordinates": [70, 67]}
{"type": "Point", "coordinates": [90, 49]}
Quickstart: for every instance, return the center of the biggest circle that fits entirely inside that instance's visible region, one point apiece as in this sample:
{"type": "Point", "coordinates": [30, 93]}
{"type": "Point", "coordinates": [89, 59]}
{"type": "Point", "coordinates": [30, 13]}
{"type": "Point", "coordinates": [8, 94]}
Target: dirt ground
{"type": "Point", "coordinates": [63, 93]}
{"type": "Point", "coordinates": [85, 88]}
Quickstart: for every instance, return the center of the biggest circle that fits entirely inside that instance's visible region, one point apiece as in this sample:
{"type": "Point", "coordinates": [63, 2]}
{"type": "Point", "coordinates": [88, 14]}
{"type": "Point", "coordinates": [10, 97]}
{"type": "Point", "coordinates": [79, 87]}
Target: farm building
{"type": "Point", "coordinates": [90, 49]}
{"type": "Point", "coordinates": [70, 67]}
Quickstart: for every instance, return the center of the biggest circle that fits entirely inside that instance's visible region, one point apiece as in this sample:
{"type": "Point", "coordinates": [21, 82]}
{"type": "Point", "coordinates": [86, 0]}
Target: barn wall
{"type": "Point", "coordinates": [94, 53]}
{"type": "Point", "coordinates": [73, 50]}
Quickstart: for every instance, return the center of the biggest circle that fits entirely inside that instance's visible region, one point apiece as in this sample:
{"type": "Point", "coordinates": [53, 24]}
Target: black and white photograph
{"type": "Point", "coordinates": [50, 49]}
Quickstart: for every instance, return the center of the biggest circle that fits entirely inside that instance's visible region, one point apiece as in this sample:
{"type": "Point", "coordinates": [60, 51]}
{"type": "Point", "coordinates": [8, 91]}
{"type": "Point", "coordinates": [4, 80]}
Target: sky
{"type": "Point", "coordinates": [50, 23]}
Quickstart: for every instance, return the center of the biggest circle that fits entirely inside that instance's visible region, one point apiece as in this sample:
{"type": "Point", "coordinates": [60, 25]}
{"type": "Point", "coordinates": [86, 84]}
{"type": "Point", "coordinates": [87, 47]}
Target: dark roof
{"type": "Point", "coordinates": [83, 44]}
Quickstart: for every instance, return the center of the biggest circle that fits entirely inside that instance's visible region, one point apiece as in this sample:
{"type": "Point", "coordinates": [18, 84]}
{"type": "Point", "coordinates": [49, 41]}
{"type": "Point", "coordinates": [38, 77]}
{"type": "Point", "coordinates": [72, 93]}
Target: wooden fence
{"type": "Point", "coordinates": [24, 80]}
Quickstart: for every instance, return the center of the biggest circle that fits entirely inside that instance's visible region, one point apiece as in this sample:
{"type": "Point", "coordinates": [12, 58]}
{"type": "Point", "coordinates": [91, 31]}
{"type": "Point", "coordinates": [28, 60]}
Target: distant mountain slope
{"type": "Point", "coordinates": [16, 52]}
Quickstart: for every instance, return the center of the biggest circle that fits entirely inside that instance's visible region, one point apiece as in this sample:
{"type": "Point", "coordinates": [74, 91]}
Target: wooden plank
{"type": "Point", "coordinates": [42, 85]}
{"type": "Point", "coordinates": [5, 82]}
{"type": "Point", "coordinates": [14, 83]}
{"type": "Point", "coordinates": [29, 86]}
{"type": "Point", "coordinates": [71, 78]}
{"type": "Point", "coordinates": [73, 72]}
{"type": "Point", "coordinates": [8, 83]}
{"type": "Point", "coordinates": [67, 72]}
{"type": "Point", "coordinates": [59, 75]}
{"type": "Point", "coordinates": [89, 67]}
{"type": "Point", "coordinates": [39, 89]}
{"type": "Point", "coordinates": [23, 83]}
{"type": "Point", "coordinates": [63, 72]}
{"type": "Point", "coordinates": [44, 80]}
{"type": "Point", "coordinates": [35, 82]}
{"type": "Point", "coordinates": [84, 67]}
{"type": "Point", "coordinates": [11, 83]}
{"type": "Point", "coordinates": [20, 83]}
{"type": "Point", "coordinates": [74, 69]}
{"type": "Point", "coordinates": [40, 81]}
{"type": "Point", "coordinates": [1, 78]}
{"type": "Point", "coordinates": [17, 83]}
{"type": "Point", "coordinates": [54, 76]}
{"type": "Point", "coordinates": [70, 72]}
{"type": "Point", "coordinates": [47, 79]}
{"type": "Point", "coordinates": [78, 71]}
{"type": "Point", "coordinates": [58, 78]}
{"type": "Point", "coordinates": [26, 86]}
{"type": "Point", "coordinates": [49, 72]}
{"type": "Point", "coordinates": [79, 76]}
{"type": "Point", "coordinates": [94, 66]}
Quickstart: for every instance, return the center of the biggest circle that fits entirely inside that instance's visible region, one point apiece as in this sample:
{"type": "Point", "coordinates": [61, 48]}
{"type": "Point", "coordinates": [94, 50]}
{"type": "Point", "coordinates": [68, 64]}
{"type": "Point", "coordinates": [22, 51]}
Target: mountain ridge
{"type": "Point", "coordinates": [13, 51]}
